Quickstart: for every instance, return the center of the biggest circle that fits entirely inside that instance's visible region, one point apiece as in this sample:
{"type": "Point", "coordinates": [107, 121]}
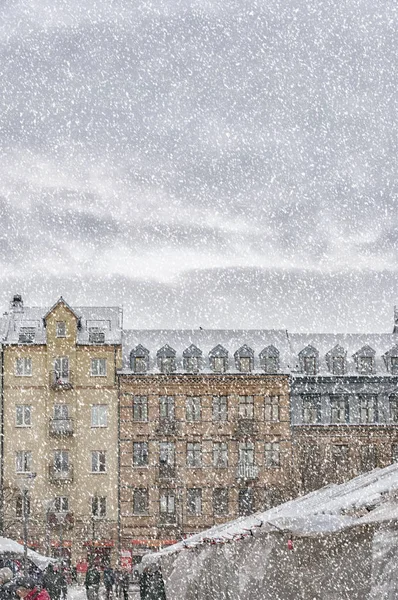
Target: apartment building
{"type": "Point", "coordinates": [204, 431]}
{"type": "Point", "coordinates": [344, 399]}
{"type": "Point", "coordinates": [60, 427]}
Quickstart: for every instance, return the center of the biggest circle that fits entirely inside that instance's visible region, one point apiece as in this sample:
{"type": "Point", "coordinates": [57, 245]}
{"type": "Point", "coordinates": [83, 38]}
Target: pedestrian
{"type": "Point", "coordinates": [118, 576]}
{"type": "Point", "coordinates": [51, 583]}
{"type": "Point", "coordinates": [109, 581]}
{"type": "Point", "coordinates": [125, 584]}
{"type": "Point", "coordinates": [62, 583]}
{"type": "Point", "coordinates": [92, 582]}
{"type": "Point", "coordinates": [27, 589]}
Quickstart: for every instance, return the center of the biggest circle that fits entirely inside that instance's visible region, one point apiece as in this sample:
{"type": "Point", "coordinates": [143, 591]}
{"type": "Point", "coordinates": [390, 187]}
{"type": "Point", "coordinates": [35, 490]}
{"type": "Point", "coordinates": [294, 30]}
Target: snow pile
{"type": "Point", "coordinates": [344, 546]}
{"type": "Point", "coordinates": [7, 545]}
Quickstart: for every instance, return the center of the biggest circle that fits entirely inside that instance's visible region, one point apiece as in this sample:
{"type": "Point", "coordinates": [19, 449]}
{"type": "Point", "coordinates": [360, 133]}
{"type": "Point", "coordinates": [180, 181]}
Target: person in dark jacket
{"type": "Point", "coordinates": [151, 584]}
{"type": "Point", "coordinates": [125, 584]}
{"type": "Point", "coordinates": [51, 583]}
{"type": "Point", "coordinates": [109, 580]}
{"type": "Point", "coordinates": [92, 582]}
{"type": "Point", "coordinates": [62, 583]}
{"type": "Point", "coordinates": [27, 589]}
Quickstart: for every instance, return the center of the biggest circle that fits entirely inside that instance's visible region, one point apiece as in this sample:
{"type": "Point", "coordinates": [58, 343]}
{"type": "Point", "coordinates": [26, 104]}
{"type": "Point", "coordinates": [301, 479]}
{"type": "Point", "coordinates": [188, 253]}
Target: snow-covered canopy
{"type": "Point", "coordinates": [10, 546]}
{"type": "Point", "coordinates": [342, 533]}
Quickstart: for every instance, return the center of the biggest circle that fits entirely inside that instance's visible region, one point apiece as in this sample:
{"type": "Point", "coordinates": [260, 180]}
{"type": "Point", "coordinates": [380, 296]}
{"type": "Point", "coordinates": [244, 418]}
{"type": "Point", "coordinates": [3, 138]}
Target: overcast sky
{"type": "Point", "coordinates": [204, 163]}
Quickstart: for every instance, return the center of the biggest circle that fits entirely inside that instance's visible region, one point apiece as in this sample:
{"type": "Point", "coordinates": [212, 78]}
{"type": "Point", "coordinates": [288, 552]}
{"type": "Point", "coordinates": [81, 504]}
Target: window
{"type": "Point", "coordinates": [308, 359]}
{"type": "Point", "coordinates": [246, 453]}
{"type": "Point", "coordinates": [167, 453]}
{"type": "Point", "coordinates": [219, 359]}
{"type": "Point", "coordinates": [244, 359]}
{"type": "Point", "coordinates": [166, 408]}
{"type": "Point", "coordinates": [23, 415]}
{"type": "Point", "coordinates": [194, 454]}
{"type": "Point", "coordinates": [272, 454]}
{"type": "Point", "coordinates": [365, 365]}
{"type": "Point", "coordinates": [339, 409]}
{"type": "Point", "coordinates": [61, 412]}
{"type": "Point", "coordinates": [311, 409]}
{"type": "Point", "coordinates": [394, 365]}
{"type": "Point", "coordinates": [61, 504]}
{"type": "Point", "coordinates": [368, 458]}
{"type": "Point", "coordinates": [166, 359]}
{"type": "Point", "coordinates": [368, 412]}
{"type": "Point", "coordinates": [220, 364]}
{"type": "Point", "coordinates": [23, 367]}
{"type": "Point", "coordinates": [194, 501]}
{"type": "Point", "coordinates": [61, 369]}
{"type": "Point", "coordinates": [309, 365]}
{"type": "Point", "coordinates": [98, 507]}
{"type": "Point", "coordinates": [140, 501]}
{"type": "Point", "coordinates": [98, 461]}
{"type": "Point", "coordinates": [220, 455]}
{"type": "Point", "coordinates": [220, 408]}
{"type": "Point", "coordinates": [394, 408]}
{"type": "Point", "coordinates": [269, 359]}
{"type": "Point", "coordinates": [19, 506]}
{"type": "Point", "coordinates": [246, 502]}
{"type": "Point", "coordinates": [96, 335]}
{"type": "Point", "coordinates": [23, 461]}
{"type": "Point", "coordinates": [98, 367]}
{"type": "Point", "coordinates": [27, 335]}
{"type": "Point", "coordinates": [338, 365]}
{"type": "Point", "coordinates": [336, 359]}
{"type": "Point", "coordinates": [60, 329]}
{"type": "Point", "coordinates": [193, 408]}
{"type": "Point", "coordinates": [246, 407]}
{"type": "Point", "coordinates": [61, 461]}
{"type": "Point", "coordinates": [139, 359]}
{"type": "Point", "coordinates": [192, 358]}
{"type": "Point", "coordinates": [140, 408]}
{"type": "Point", "coordinates": [140, 454]}
{"type": "Point", "coordinates": [99, 415]}
{"type": "Point", "coordinates": [271, 408]}
{"type": "Point", "coordinates": [167, 502]}
{"type": "Point", "coordinates": [220, 502]}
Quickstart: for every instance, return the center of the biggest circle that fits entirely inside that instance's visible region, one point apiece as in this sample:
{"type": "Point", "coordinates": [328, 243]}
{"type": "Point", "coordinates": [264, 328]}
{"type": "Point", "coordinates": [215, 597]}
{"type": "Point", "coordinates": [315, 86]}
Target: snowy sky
{"type": "Point", "coordinates": [214, 163]}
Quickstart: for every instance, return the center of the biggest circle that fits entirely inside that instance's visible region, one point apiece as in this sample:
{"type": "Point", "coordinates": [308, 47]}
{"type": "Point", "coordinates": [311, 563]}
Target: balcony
{"type": "Point", "coordinates": [61, 426]}
{"type": "Point", "coordinates": [247, 472]}
{"type": "Point", "coordinates": [61, 382]}
{"type": "Point", "coordinates": [246, 428]}
{"type": "Point", "coordinates": [58, 519]}
{"type": "Point", "coordinates": [60, 476]}
{"type": "Point", "coordinates": [167, 427]}
{"type": "Point", "coordinates": [167, 471]}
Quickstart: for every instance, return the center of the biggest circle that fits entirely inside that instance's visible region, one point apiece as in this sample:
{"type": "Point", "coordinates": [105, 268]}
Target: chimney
{"type": "Point", "coordinates": [395, 330]}
{"type": "Point", "coordinates": [16, 304]}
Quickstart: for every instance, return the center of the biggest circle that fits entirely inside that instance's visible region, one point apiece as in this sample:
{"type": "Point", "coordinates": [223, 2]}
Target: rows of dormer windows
{"type": "Point", "coordinates": [339, 409]}
{"type": "Point", "coordinates": [219, 408]}
{"type": "Point", "coordinates": [218, 359]}
{"type": "Point", "coordinates": [337, 363]}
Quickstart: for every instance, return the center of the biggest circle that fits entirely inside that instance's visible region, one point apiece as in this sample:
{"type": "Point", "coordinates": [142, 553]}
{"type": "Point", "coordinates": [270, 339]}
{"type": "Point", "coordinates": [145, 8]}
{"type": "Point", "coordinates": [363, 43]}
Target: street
{"type": "Point", "coordinates": [78, 592]}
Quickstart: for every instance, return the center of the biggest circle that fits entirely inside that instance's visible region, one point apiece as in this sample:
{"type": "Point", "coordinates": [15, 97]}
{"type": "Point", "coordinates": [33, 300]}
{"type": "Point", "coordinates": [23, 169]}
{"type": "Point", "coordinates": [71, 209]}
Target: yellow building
{"type": "Point", "coordinates": [60, 421]}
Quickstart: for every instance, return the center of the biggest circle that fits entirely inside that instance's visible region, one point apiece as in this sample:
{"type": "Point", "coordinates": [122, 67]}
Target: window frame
{"type": "Point", "coordinates": [98, 361]}
{"type": "Point", "coordinates": [221, 491]}
{"type": "Point", "coordinates": [23, 424]}
{"type": "Point", "coordinates": [58, 328]}
{"type": "Point", "coordinates": [100, 457]}
{"type": "Point", "coordinates": [25, 458]}
{"type": "Point", "coordinates": [167, 498]}
{"type": "Point", "coordinates": [194, 455]}
{"type": "Point", "coordinates": [98, 507]}
{"type": "Point", "coordinates": [272, 407]}
{"type": "Point", "coordinates": [140, 409]}
{"type": "Point", "coordinates": [272, 455]}
{"type": "Point", "coordinates": [95, 410]}
{"type": "Point", "coordinates": [220, 410]}
{"type": "Point", "coordinates": [246, 407]}
{"type": "Point", "coordinates": [140, 494]}
{"type": "Point", "coordinates": [194, 505]}
{"type": "Point", "coordinates": [193, 409]}
{"type": "Point", "coordinates": [140, 454]}
{"type": "Point", "coordinates": [25, 371]}
{"type": "Point", "coordinates": [220, 455]}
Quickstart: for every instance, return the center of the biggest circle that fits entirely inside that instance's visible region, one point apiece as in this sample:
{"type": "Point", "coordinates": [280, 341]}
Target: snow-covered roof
{"type": "Point", "coordinates": [8, 545]}
{"type": "Point", "coordinates": [106, 319]}
{"type": "Point", "coordinates": [351, 343]}
{"type": "Point", "coordinates": [369, 498]}
{"type": "Point", "coordinates": [206, 340]}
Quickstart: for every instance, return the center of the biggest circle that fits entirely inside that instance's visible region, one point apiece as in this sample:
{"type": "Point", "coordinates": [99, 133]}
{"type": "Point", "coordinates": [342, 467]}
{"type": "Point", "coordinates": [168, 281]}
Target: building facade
{"type": "Point", "coordinates": [60, 428]}
{"type": "Point", "coordinates": [204, 431]}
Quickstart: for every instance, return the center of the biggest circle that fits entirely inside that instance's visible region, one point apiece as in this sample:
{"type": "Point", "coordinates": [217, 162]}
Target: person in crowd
{"type": "Point", "coordinates": [27, 589]}
{"type": "Point", "coordinates": [7, 589]}
{"type": "Point", "coordinates": [125, 584]}
{"type": "Point", "coordinates": [92, 582]}
{"type": "Point", "coordinates": [62, 582]}
{"type": "Point", "coordinates": [118, 576]}
{"type": "Point", "coordinates": [51, 583]}
{"type": "Point", "coordinates": [109, 581]}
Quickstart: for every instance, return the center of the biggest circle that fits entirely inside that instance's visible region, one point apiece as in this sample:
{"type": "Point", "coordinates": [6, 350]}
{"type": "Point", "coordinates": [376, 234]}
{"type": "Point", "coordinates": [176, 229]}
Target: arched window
{"type": "Point", "coordinates": [192, 358]}
{"type": "Point", "coordinates": [244, 359]}
{"type": "Point", "coordinates": [218, 358]}
{"type": "Point", "coordinates": [309, 360]}
{"type": "Point", "coordinates": [139, 359]}
{"type": "Point", "coordinates": [166, 358]}
{"type": "Point", "coordinates": [269, 359]}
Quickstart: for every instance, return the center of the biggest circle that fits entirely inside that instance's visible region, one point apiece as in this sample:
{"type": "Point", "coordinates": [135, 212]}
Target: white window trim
{"type": "Point", "coordinates": [98, 374]}
{"type": "Point", "coordinates": [91, 461]}
{"type": "Point", "coordinates": [24, 374]}
{"type": "Point", "coordinates": [99, 426]}
{"type": "Point", "coordinates": [56, 330]}
{"type": "Point", "coordinates": [24, 425]}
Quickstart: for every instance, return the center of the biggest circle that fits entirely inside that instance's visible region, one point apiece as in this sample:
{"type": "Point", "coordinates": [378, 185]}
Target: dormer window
{"type": "Point", "coordinates": [166, 357]}
{"type": "Point", "coordinates": [139, 359]}
{"type": "Point", "coordinates": [60, 329]}
{"type": "Point", "coordinates": [336, 360]}
{"type": "Point", "coordinates": [218, 358]}
{"type": "Point", "coordinates": [244, 359]}
{"type": "Point", "coordinates": [96, 335]}
{"type": "Point", "coordinates": [192, 357]}
{"type": "Point", "coordinates": [269, 359]}
{"type": "Point", "coordinates": [391, 360]}
{"type": "Point", "coordinates": [309, 360]}
{"type": "Point", "coordinates": [365, 360]}
{"type": "Point", "coordinates": [27, 335]}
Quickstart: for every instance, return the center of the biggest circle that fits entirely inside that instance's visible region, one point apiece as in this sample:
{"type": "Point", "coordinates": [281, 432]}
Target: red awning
{"type": "Point", "coordinates": [100, 543]}
{"type": "Point", "coordinates": [153, 543]}
{"type": "Point", "coordinates": [65, 544]}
